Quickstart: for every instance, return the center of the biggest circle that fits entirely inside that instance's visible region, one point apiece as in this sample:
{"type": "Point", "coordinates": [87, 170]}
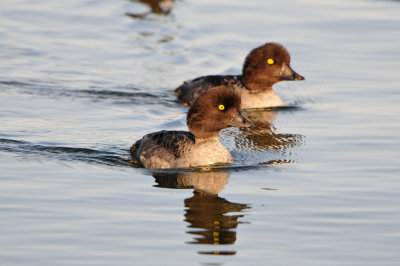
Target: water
{"type": "Point", "coordinates": [315, 183]}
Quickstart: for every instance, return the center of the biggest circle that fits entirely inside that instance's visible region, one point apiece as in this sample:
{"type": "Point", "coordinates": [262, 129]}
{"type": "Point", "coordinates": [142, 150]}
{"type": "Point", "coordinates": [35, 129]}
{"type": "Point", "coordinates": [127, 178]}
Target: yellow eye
{"type": "Point", "coordinates": [270, 61]}
{"type": "Point", "coordinates": [221, 107]}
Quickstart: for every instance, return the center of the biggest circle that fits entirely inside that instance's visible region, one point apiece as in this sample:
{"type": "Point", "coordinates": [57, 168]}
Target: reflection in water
{"type": "Point", "coordinates": [209, 216]}
{"type": "Point", "coordinates": [263, 135]}
{"type": "Point", "coordinates": [159, 7]}
{"type": "Point", "coordinates": [203, 182]}
{"type": "Point", "coordinates": [213, 220]}
{"type": "Point", "coordinates": [209, 213]}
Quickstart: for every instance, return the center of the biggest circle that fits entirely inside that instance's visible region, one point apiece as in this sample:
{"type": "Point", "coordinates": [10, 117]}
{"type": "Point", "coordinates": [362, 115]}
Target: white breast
{"type": "Point", "coordinates": [262, 99]}
{"type": "Point", "coordinates": [206, 152]}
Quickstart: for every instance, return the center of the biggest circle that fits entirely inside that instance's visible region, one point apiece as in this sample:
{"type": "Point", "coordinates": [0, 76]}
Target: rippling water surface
{"type": "Point", "coordinates": [314, 183]}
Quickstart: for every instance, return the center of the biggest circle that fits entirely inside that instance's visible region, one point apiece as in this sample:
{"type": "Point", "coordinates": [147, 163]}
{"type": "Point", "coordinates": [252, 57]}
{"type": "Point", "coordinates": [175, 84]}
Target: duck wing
{"type": "Point", "coordinates": [191, 89]}
{"type": "Point", "coordinates": [162, 149]}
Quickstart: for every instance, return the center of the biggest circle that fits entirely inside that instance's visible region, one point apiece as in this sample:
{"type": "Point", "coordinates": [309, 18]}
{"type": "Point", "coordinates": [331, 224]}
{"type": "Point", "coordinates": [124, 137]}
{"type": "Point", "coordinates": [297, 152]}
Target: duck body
{"type": "Point", "coordinates": [178, 149]}
{"type": "Point", "coordinates": [212, 111]}
{"type": "Point", "coordinates": [191, 89]}
{"type": "Point", "coordinates": [263, 67]}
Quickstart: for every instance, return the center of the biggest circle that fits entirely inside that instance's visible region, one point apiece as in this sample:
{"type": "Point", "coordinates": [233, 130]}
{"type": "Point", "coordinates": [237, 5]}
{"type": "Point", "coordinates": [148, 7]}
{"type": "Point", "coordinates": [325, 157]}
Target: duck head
{"type": "Point", "coordinates": [267, 65]}
{"type": "Point", "coordinates": [214, 110]}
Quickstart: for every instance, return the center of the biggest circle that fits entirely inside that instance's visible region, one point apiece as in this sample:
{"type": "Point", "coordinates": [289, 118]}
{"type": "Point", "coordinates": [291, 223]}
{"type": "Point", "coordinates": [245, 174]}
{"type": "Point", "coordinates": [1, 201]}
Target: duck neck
{"type": "Point", "coordinates": [206, 138]}
{"type": "Point", "coordinates": [257, 85]}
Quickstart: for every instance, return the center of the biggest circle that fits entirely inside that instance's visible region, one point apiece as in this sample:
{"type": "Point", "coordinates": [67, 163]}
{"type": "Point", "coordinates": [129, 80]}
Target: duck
{"type": "Point", "coordinates": [263, 67]}
{"type": "Point", "coordinates": [214, 110]}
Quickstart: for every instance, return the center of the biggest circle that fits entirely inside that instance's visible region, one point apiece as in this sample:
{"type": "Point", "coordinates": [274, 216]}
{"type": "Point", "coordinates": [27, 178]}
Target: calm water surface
{"type": "Point", "coordinates": [315, 183]}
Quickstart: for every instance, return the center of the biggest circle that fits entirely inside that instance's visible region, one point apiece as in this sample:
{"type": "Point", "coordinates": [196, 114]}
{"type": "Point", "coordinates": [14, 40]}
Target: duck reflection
{"type": "Point", "coordinates": [212, 220]}
{"type": "Point", "coordinates": [263, 135]}
{"type": "Point", "coordinates": [209, 213]}
{"type": "Point", "coordinates": [159, 7]}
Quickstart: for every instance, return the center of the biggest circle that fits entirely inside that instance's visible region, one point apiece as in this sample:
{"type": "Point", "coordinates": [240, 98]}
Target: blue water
{"type": "Point", "coordinates": [314, 183]}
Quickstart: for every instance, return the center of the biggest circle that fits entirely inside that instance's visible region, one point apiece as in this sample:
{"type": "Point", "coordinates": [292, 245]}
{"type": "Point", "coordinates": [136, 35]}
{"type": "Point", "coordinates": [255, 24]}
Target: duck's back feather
{"type": "Point", "coordinates": [162, 149]}
{"type": "Point", "coordinates": [191, 89]}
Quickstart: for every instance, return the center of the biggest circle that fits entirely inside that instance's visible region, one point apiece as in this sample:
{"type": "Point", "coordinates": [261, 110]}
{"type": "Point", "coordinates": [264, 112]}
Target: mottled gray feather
{"type": "Point", "coordinates": [159, 149]}
{"type": "Point", "coordinates": [191, 89]}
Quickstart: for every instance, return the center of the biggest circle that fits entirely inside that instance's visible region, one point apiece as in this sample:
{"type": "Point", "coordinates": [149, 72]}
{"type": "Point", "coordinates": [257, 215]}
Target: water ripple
{"type": "Point", "coordinates": [119, 94]}
{"type": "Point", "coordinates": [27, 150]}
